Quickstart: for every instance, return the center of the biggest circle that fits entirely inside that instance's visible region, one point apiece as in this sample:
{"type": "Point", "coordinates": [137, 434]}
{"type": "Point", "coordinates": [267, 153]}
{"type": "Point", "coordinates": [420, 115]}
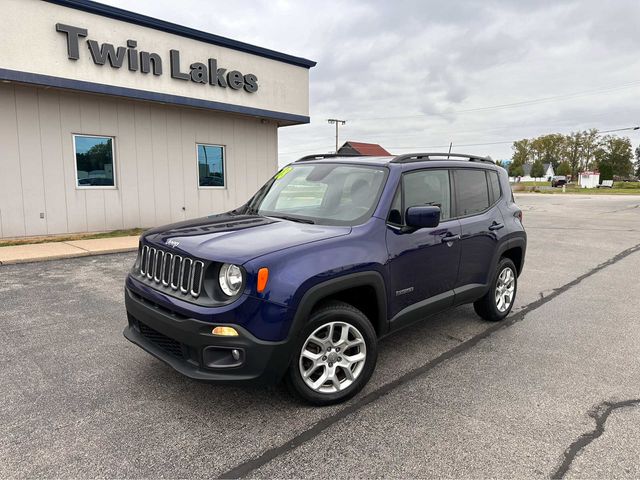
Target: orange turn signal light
{"type": "Point", "coordinates": [263, 278]}
{"type": "Point", "coordinates": [225, 331]}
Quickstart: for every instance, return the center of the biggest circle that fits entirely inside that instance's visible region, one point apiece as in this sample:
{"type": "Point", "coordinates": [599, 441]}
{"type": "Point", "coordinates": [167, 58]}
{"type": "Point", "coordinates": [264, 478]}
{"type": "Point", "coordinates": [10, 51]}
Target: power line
{"type": "Point", "coordinates": [502, 142]}
{"type": "Point", "coordinates": [456, 145]}
{"type": "Point", "coordinates": [510, 105]}
{"type": "Point", "coordinates": [376, 138]}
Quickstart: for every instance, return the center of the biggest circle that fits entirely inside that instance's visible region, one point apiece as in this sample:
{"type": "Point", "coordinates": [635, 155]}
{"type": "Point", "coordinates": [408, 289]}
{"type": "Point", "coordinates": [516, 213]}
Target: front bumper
{"type": "Point", "coordinates": [189, 347]}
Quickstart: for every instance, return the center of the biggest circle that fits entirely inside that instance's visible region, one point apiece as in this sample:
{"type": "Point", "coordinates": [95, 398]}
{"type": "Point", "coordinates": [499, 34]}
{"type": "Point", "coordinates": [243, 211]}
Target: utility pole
{"type": "Point", "coordinates": [337, 123]}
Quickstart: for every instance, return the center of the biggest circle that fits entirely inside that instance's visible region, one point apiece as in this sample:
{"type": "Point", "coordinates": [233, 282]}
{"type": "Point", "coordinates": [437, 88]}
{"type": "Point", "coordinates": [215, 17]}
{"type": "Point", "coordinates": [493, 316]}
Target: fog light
{"type": "Point", "coordinates": [225, 331]}
{"type": "Point", "coordinates": [235, 354]}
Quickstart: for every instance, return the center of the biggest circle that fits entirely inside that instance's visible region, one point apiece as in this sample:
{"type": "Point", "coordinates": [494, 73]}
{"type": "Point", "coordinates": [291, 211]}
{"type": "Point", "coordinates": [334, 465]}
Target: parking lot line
{"type": "Point", "coordinates": [244, 469]}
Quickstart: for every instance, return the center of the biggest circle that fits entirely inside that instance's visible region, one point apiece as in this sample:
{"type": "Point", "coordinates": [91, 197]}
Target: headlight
{"type": "Point", "coordinates": [230, 278]}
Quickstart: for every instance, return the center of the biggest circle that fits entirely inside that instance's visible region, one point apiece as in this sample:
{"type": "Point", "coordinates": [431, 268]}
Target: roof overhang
{"type": "Point", "coordinates": [195, 69]}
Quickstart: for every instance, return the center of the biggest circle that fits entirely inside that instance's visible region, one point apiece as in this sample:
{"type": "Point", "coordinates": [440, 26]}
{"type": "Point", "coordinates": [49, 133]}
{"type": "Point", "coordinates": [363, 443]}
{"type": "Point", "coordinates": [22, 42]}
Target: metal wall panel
{"type": "Point", "coordinates": [30, 151]}
{"type": "Point", "coordinates": [112, 198]}
{"type": "Point", "coordinates": [155, 160]}
{"type": "Point", "coordinates": [11, 200]}
{"type": "Point", "coordinates": [52, 167]}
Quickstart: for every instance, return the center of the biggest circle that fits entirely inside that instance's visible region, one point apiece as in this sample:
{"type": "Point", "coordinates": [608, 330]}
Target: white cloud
{"type": "Point", "coordinates": [432, 62]}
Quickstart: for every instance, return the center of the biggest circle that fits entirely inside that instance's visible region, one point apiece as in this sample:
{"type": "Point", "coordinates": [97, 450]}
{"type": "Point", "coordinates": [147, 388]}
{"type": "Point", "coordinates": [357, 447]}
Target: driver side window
{"type": "Point", "coordinates": [428, 187]}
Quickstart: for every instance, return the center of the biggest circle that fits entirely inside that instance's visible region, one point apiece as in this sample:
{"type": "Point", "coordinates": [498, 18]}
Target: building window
{"type": "Point", "coordinates": [95, 167]}
{"type": "Point", "coordinates": [210, 165]}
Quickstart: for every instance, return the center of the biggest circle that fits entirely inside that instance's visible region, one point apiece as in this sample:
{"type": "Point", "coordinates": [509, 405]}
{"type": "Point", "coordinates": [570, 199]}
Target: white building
{"type": "Point", "coordinates": [548, 172]}
{"type": "Point", "coordinates": [112, 120]}
{"type": "Point", "coordinates": [589, 179]}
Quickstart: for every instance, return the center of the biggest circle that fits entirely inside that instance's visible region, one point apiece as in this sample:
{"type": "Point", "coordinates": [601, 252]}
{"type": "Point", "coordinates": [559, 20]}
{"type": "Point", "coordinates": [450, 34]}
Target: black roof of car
{"type": "Point", "coordinates": [398, 159]}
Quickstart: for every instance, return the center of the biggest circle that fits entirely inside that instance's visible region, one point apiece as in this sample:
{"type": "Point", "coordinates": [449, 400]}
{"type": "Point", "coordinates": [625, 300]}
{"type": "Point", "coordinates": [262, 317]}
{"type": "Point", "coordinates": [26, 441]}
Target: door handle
{"type": "Point", "coordinates": [450, 238]}
{"type": "Point", "coordinates": [496, 226]}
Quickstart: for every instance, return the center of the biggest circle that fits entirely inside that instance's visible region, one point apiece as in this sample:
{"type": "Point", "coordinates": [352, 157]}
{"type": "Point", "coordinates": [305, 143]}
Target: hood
{"type": "Point", "coordinates": [237, 238]}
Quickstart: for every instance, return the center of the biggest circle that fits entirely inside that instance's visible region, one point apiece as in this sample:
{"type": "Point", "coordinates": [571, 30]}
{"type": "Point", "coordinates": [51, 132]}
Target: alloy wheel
{"type": "Point", "coordinates": [505, 289]}
{"type": "Point", "coordinates": [332, 357]}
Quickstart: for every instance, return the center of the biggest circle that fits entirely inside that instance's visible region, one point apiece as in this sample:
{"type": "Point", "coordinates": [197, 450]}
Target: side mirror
{"type": "Point", "coordinates": [426, 216]}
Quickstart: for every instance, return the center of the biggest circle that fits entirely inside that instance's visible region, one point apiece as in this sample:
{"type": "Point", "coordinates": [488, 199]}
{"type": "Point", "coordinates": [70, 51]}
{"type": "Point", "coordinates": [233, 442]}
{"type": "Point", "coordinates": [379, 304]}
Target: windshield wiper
{"type": "Point", "coordinates": [293, 219]}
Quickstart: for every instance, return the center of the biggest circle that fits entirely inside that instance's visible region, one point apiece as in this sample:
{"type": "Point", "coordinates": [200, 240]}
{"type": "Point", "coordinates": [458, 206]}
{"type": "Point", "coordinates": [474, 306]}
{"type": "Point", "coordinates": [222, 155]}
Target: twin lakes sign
{"type": "Point", "coordinates": [148, 62]}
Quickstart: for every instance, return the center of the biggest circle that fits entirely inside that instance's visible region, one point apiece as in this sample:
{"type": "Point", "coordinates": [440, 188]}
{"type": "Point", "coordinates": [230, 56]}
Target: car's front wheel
{"type": "Point", "coordinates": [335, 355]}
{"type": "Point", "coordinates": [498, 301]}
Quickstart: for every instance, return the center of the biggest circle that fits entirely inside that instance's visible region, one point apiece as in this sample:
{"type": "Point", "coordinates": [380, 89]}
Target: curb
{"type": "Point", "coordinates": [65, 256]}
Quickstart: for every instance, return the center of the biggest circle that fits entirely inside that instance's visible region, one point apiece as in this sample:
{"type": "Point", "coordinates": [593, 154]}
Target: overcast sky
{"type": "Point", "coordinates": [415, 75]}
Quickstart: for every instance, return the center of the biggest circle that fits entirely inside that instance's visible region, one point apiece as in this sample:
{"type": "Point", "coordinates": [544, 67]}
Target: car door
{"type": "Point", "coordinates": [423, 264]}
{"type": "Point", "coordinates": [480, 222]}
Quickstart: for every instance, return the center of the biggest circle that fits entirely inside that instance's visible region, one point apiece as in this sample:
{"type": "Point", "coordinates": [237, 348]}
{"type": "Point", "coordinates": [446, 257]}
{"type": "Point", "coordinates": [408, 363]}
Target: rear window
{"type": "Point", "coordinates": [472, 193]}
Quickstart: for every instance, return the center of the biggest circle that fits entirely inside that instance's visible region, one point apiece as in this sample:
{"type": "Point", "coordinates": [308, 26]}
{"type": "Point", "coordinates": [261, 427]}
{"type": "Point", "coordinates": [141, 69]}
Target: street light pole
{"type": "Point", "coordinates": [337, 123]}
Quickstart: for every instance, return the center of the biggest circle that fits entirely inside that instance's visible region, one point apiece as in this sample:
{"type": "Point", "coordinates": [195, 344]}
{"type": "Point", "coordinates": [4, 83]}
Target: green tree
{"type": "Point", "coordinates": [521, 152]}
{"type": "Point", "coordinates": [96, 157]}
{"type": "Point", "coordinates": [638, 161]}
{"type": "Point", "coordinates": [516, 170]}
{"type": "Point", "coordinates": [606, 172]}
{"type": "Point", "coordinates": [550, 148]}
{"type": "Point", "coordinates": [588, 149]}
{"type": "Point", "coordinates": [564, 168]}
{"type": "Point", "coordinates": [615, 155]}
{"type": "Point", "coordinates": [574, 149]}
{"type": "Point", "coordinates": [537, 170]}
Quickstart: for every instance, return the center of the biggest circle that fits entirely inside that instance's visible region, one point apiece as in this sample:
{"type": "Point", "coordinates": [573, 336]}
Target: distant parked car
{"type": "Point", "coordinates": [96, 182]}
{"type": "Point", "coordinates": [558, 181]}
{"type": "Point", "coordinates": [212, 181]}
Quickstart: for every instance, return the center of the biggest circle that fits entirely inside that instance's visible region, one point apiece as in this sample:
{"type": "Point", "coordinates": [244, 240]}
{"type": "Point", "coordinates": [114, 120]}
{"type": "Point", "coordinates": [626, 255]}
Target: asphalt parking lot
{"type": "Point", "coordinates": [552, 391]}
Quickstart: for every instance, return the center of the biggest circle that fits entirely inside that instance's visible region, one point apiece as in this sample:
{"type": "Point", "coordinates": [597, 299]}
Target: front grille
{"type": "Point", "coordinates": [172, 270]}
{"type": "Point", "coordinates": [167, 344]}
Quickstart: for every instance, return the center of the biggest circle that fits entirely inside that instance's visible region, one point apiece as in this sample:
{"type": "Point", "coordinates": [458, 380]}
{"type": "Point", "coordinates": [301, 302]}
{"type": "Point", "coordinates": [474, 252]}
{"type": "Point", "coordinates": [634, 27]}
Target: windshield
{"type": "Point", "coordinates": [327, 194]}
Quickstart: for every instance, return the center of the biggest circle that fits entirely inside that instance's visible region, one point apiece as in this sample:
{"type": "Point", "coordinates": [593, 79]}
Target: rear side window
{"type": "Point", "coordinates": [494, 184]}
{"type": "Point", "coordinates": [428, 187]}
{"type": "Point", "coordinates": [472, 193]}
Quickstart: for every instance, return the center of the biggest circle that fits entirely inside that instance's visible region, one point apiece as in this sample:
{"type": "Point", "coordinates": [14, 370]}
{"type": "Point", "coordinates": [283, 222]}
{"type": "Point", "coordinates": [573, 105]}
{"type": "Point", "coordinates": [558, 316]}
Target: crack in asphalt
{"type": "Point", "coordinates": [452, 337]}
{"type": "Point", "coordinates": [624, 209]}
{"type": "Point", "coordinates": [245, 468]}
{"type": "Point", "coordinates": [600, 414]}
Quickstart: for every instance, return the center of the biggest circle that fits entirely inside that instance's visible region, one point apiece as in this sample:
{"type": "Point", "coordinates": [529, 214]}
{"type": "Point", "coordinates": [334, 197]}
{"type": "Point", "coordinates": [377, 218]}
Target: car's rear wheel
{"type": "Point", "coordinates": [335, 355]}
{"type": "Point", "coordinates": [498, 301]}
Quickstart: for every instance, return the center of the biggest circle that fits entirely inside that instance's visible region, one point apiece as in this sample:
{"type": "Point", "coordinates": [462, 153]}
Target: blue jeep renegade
{"type": "Point", "coordinates": [332, 254]}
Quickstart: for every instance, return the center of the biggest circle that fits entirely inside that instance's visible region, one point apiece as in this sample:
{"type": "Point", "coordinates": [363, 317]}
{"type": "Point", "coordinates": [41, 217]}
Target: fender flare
{"type": "Point", "coordinates": [335, 285]}
{"type": "Point", "coordinates": [517, 241]}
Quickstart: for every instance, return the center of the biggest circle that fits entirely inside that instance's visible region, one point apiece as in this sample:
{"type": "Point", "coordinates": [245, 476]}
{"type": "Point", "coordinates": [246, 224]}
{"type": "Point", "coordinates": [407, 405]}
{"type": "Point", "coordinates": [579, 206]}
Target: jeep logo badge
{"type": "Point", "coordinates": [172, 243]}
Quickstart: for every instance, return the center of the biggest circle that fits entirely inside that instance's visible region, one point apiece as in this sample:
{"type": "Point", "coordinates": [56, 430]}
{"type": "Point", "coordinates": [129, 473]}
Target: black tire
{"type": "Point", "coordinates": [333, 311]}
{"type": "Point", "coordinates": [487, 306]}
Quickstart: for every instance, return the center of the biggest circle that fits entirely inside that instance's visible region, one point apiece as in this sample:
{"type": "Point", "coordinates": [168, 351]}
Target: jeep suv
{"type": "Point", "coordinates": [329, 256]}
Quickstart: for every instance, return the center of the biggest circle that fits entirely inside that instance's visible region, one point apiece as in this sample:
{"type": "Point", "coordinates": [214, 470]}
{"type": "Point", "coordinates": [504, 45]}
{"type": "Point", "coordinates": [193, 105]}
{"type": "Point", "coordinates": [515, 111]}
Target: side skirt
{"type": "Point", "coordinates": [436, 304]}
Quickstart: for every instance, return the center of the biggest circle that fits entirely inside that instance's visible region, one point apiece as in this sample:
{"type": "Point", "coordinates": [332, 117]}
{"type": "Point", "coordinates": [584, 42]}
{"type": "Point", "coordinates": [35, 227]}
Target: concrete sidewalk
{"type": "Point", "coordinates": [75, 248]}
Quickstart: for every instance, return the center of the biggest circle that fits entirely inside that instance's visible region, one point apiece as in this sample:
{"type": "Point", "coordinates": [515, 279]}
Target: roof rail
{"type": "Point", "coordinates": [320, 156]}
{"type": "Point", "coordinates": [420, 157]}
